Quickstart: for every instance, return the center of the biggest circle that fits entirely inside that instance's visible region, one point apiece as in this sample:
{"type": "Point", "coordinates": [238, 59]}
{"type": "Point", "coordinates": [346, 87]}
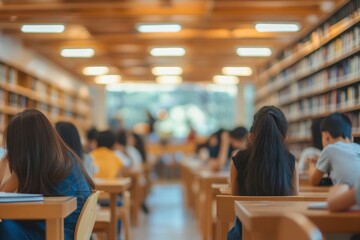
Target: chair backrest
{"type": "Point", "coordinates": [297, 227]}
{"type": "Point", "coordinates": [87, 217]}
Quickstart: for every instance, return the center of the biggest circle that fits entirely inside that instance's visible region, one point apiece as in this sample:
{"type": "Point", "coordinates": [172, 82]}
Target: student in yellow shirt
{"type": "Point", "coordinates": [109, 165]}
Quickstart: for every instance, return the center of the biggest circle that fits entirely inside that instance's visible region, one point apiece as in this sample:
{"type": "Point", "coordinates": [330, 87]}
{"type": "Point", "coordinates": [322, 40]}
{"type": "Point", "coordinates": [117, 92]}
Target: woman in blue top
{"type": "Point", "coordinates": [40, 162]}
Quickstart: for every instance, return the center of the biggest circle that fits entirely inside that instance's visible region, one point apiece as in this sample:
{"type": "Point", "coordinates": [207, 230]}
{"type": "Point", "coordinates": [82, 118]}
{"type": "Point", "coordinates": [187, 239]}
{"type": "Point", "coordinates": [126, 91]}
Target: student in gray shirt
{"type": "Point", "coordinates": [340, 156]}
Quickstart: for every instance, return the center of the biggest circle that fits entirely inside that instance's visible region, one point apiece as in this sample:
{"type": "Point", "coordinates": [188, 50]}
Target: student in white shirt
{"type": "Point", "coordinates": [340, 157]}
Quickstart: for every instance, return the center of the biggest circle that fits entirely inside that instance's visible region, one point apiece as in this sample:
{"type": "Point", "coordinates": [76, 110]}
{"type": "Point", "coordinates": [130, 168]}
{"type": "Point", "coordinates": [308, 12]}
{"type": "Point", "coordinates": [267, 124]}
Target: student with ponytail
{"type": "Point", "coordinates": [266, 167]}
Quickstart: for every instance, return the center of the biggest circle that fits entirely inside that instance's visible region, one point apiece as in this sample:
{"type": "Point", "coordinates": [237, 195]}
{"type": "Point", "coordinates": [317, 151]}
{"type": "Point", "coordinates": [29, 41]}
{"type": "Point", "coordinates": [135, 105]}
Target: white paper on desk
{"type": "Point", "coordinates": [318, 205]}
{"type": "Point", "coordinates": [20, 197]}
{"type": "Point", "coordinates": [324, 206]}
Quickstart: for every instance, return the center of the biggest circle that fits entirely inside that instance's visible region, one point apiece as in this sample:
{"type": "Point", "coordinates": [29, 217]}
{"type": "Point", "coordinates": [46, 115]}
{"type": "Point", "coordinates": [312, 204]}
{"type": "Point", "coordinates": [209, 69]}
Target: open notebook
{"type": "Point", "coordinates": [20, 197]}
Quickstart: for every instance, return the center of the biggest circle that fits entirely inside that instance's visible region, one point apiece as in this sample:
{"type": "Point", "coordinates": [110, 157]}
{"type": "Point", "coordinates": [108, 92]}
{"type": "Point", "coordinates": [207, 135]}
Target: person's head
{"type": "Point", "coordinates": [70, 135]}
{"type": "Point", "coordinates": [215, 138]}
{"type": "Point", "coordinates": [316, 133]}
{"type": "Point", "coordinates": [106, 139]}
{"type": "Point", "coordinates": [269, 168]}
{"type": "Point", "coordinates": [91, 136]}
{"type": "Point", "coordinates": [336, 127]}
{"type": "Point", "coordinates": [122, 138]}
{"type": "Point", "coordinates": [37, 154]}
{"type": "Point", "coordinates": [238, 138]}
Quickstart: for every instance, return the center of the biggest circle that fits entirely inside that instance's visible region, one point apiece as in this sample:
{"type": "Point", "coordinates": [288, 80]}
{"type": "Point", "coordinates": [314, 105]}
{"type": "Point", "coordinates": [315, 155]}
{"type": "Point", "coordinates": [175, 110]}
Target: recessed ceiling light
{"type": "Point", "coordinates": [95, 70]}
{"type": "Point", "coordinates": [107, 79]}
{"type": "Point", "coordinates": [77, 52]}
{"type": "Point", "coordinates": [37, 28]}
{"type": "Point", "coordinates": [169, 79]}
{"type": "Point", "coordinates": [221, 79]}
{"type": "Point", "coordinates": [254, 52]}
{"type": "Point", "coordinates": [169, 51]}
{"type": "Point", "coordinates": [153, 28]}
{"type": "Point", "coordinates": [277, 27]}
{"type": "Point", "coordinates": [167, 71]}
{"type": "Point", "coordinates": [237, 71]}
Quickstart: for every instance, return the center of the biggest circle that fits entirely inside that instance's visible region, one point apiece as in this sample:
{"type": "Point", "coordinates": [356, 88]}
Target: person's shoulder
{"type": "Point", "coordinates": [240, 157]}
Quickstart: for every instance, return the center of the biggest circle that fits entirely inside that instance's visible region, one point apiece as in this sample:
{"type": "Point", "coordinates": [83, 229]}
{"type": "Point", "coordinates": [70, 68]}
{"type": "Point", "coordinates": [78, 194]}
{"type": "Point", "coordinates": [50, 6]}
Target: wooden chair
{"type": "Point", "coordinates": [87, 217]}
{"type": "Point", "coordinates": [102, 223]}
{"type": "Point", "coordinates": [297, 227]}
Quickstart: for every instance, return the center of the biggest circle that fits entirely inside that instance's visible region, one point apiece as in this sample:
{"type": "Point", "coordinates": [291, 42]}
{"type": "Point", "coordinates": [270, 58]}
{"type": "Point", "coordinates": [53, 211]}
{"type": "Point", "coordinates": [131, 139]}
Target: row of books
{"type": "Point", "coordinates": [18, 101]}
{"type": "Point", "coordinates": [348, 12]}
{"type": "Point", "coordinates": [346, 71]}
{"type": "Point", "coordinates": [303, 129]}
{"type": "Point", "coordinates": [339, 99]}
{"type": "Point", "coordinates": [39, 86]}
{"type": "Point", "coordinates": [300, 130]}
{"type": "Point", "coordinates": [346, 43]}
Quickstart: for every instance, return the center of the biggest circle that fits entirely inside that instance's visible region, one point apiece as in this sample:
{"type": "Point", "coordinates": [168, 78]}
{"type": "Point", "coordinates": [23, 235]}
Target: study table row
{"type": "Point", "coordinates": [55, 209]}
{"type": "Point", "coordinates": [203, 190]}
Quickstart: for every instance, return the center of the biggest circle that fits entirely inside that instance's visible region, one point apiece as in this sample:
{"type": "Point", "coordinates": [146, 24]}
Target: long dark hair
{"type": "Point", "coordinates": [140, 145]}
{"type": "Point", "coordinates": [269, 170]}
{"type": "Point", "coordinates": [70, 135]}
{"type": "Point", "coordinates": [316, 133]}
{"type": "Point", "coordinates": [37, 154]}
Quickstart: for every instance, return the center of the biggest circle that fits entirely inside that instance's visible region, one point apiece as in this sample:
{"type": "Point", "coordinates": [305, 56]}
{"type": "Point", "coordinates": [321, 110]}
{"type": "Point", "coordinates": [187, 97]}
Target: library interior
{"type": "Point", "coordinates": [180, 119]}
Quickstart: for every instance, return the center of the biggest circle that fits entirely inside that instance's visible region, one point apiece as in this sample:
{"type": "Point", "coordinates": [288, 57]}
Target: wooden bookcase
{"type": "Point", "coordinates": [19, 90]}
{"type": "Point", "coordinates": [317, 76]}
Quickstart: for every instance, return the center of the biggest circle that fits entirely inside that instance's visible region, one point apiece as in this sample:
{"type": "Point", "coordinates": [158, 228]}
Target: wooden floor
{"type": "Point", "coordinates": [168, 219]}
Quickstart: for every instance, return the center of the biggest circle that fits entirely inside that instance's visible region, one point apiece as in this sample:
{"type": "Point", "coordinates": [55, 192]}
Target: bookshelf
{"type": "Point", "coordinates": [316, 76]}
{"type": "Point", "coordinates": [19, 90]}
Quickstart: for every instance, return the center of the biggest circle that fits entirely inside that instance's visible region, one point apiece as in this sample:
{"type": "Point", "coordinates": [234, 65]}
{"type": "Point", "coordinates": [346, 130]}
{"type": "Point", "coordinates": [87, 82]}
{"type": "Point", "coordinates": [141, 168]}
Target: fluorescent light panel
{"type": "Point", "coordinates": [167, 71]}
{"type": "Point", "coordinates": [169, 79]}
{"type": "Point", "coordinates": [222, 79]}
{"type": "Point", "coordinates": [37, 28]}
{"type": "Point", "coordinates": [153, 28]}
{"type": "Point", "coordinates": [254, 51]}
{"type": "Point", "coordinates": [77, 52]}
{"type": "Point", "coordinates": [237, 71]}
{"type": "Point", "coordinates": [107, 79]}
{"type": "Point", "coordinates": [169, 51]}
{"type": "Point", "coordinates": [277, 27]}
{"type": "Point", "coordinates": [95, 70]}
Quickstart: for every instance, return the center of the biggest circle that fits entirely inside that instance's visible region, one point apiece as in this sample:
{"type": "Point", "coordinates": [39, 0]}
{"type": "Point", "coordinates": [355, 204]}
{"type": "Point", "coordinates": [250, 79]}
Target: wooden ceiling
{"type": "Point", "coordinates": [211, 31]}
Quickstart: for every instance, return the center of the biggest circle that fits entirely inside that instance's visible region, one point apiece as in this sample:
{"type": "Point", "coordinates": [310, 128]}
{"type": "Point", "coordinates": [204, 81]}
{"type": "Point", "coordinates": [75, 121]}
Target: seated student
{"type": "Point", "coordinates": [238, 139]}
{"type": "Point", "coordinates": [109, 165]}
{"type": "Point", "coordinates": [120, 149]}
{"type": "Point", "coordinates": [266, 167]}
{"type": "Point", "coordinates": [71, 137]}
{"type": "Point", "coordinates": [340, 157]}
{"type": "Point", "coordinates": [41, 163]}
{"type": "Point", "coordinates": [311, 154]}
{"type": "Point", "coordinates": [218, 147]}
{"type": "Point", "coordinates": [91, 140]}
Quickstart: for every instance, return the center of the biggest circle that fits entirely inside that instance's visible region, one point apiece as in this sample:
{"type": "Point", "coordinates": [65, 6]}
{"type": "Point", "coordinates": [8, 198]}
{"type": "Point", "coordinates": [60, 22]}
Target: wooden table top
{"type": "Point", "coordinates": [264, 216]}
{"type": "Point", "coordinates": [116, 185]}
{"type": "Point", "coordinates": [51, 207]}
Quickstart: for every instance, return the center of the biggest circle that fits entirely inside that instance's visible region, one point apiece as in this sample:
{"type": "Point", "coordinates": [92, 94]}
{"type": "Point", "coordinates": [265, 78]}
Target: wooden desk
{"type": "Point", "coordinates": [188, 172]}
{"type": "Point", "coordinates": [261, 218]}
{"type": "Point", "coordinates": [53, 210]}
{"type": "Point", "coordinates": [314, 189]}
{"type": "Point", "coordinates": [225, 213]}
{"type": "Point", "coordinates": [114, 187]}
{"type": "Point", "coordinates": [206, 200]}
{"type": "Point", "coordinates": [135, 191]}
